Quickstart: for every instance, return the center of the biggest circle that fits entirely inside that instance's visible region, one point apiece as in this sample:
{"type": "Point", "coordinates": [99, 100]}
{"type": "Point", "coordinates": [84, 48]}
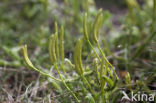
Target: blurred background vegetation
{"type": "Point", "coordinates": [127, 38]}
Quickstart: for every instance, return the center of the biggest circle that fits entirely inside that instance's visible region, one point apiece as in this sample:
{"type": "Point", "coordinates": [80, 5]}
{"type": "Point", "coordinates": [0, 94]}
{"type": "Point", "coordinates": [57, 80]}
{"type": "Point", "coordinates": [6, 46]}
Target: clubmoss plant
{"type": "Point", "coordinates": [105, 72]}
{"type": "Point", "coordinates": [128, 81]}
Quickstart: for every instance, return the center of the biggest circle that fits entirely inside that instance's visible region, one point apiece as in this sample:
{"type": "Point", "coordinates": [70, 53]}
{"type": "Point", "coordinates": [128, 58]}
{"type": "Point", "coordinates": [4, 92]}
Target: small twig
{"type": "Point", "coordinates": [17, 70]}
{"type": "Point", "coordinates": [122, 51]}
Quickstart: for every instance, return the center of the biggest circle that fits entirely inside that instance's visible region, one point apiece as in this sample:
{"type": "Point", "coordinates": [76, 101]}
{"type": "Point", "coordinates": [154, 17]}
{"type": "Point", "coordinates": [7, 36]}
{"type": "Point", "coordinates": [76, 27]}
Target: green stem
{"type": "Point", "coordinates": [78, 77]}
{"type": "Point", "coordinates": [103, 96]}
{"type": "Point", "coordinates": [107, 60]}
{"type": "Point", "coordinates": [97, 72]}
{"type": "Point", "coordinates": [62, 67]}
{"type": "Point", "coordinates": [102, 82]}
{"type": "Point", "coordinates": [94, 50]}
{"type": "Point", "coordinates": [89, 86]}
{"type": "Point", "coordinates": [46, 74]}
{"type": "Point", "coordinates": [55, 65]}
